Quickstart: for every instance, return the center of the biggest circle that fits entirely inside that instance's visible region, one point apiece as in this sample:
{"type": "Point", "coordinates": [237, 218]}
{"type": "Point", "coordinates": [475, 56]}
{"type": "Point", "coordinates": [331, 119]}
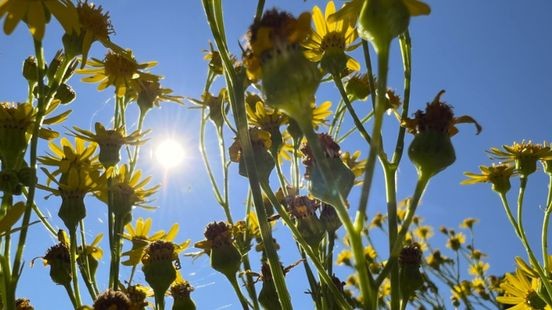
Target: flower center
{"type": "Point", "coordinates": [333, 40]}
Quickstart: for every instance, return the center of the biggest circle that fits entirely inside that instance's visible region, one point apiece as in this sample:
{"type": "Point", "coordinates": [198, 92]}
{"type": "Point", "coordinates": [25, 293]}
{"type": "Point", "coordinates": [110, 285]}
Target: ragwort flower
{"type": "Point", "coordinates": [521, 291]}
{"type": "Point", "coordinates": [329, 42]}
{"type": "Point", "coordinates": [118, 69]}
{"type": "Point", "coordinates": [274, 50]}
{"type": "Point", "coordinates": [524, 155]}
{"type": "Point", "coordinates": [36, 14]}
{"type": "Point", "coordinates": [498, 175]}
{"type": "Point", "coordinates": [110, 141]}
{"type": "Point", "coordinates": [139, 238]}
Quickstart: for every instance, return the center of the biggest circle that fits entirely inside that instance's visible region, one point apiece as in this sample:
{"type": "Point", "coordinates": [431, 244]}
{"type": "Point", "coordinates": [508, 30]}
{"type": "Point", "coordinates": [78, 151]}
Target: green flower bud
{"type": "Point", "coordinates": [431, 152]}
{"type": "Point", "coordinates": [358, 87]}
{"type": "Point", "coordinates": [72, 209]}
{"type": "Point", "coordinates": [308, 224]}
{"type": "Point", "coordinates": [111, 299]}
{"type": "Point", "coordinates": [225, 257]}
{"type": "Point", "coordinates": [329, 218]}
{"type": "Point", "coordinates": [382, 20]}
{"type": "Point", "coordinates": [59, 260]}
{"type": "Point", "coordinates": [180, 291]}
{"type": "Point", "coordinates": [410, 276]}
{"type": "Point", "coordinates": [30, 70]}
{"type": "Point", "coordinates": [158, 266]}
{"type": "Point", "coordinates": [261, 143]}
{"type": "Point", "coordinates": [54, 65]}
{"type": "Point", "coordinates": [268, 296]}
{"type": "Point", "coordinates": [27, 176]}
{"type": "Point", "coordinates": [342, 178]}
{"type": "Point", "coordinates": [65, 94]}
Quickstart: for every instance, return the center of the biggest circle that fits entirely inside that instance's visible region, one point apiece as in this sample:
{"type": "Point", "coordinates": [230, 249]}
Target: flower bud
{"type": "Point", "coordinates": [261, 143]}
{"type": "Point", "coordinates": [158, 266]}
{"type": "Point", "coordinates": [72, 209]}
{"type": "Point", "coordinates": [308, 224]}
{"type": "Point", "coordinates": [180, 291]}
{"type": "Point", "coordinates": [111, 299]}
{"type": "Point", "coordinates": [382, 20]}
{"type": "Point", "coordinates": [9, 182]}
{"type": "Point", "coordinates": [65, 94]}
{"type": "Point", "coordinates": [225, 257]}
{"type": "Point", "coordinates": [358, 87]}
{"type": "Point", "coordinates": [329, 218]}
{"type": "Point", "coordinates": [30, 70]}
{"type": "Point", "coordinates": [268, 296]}
{"type": "Point", "coordinates": [59, 260]}
{"type": "Point", "coordinates": [410, 277]}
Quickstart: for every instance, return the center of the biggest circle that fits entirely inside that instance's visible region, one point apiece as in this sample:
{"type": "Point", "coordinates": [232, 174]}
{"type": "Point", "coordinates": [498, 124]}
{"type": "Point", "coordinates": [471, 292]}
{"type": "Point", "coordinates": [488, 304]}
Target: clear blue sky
{"type": "Point", "coordinates": [492, 57]}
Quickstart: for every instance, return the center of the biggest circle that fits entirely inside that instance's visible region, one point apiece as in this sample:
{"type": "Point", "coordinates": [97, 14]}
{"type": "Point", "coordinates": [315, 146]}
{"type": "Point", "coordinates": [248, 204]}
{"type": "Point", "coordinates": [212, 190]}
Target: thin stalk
{"type": "Point", "coordinates": [203, 152]}
{"type": "Point", "coordinates": [375, 145]}
{"type": "Point", "coordinates": [369, 71]}
{"type": "Point", "coordinates": [358, 123]}
{"type": "Point", "coordinates": [406, 54]}
{"type": "Point", "coordinates": [339, 204]}
{"type": "Point", "coordinates": [249, 283]}
{"type": "Point", "coordinates": [110, 232]}
{"type": "Point", "coordinates": [89, 279]}
{"type": "Point", "coordinates": [213, 10]}
{"type": "Point", "coordinates": [350, 131]}
{"type": "Point", "coordinates": [73, 252]}
{"type": "Point", "coordinates": [116, 252]}
{"type": "Point", "coordinates": [333, 129]}
{"type": "Point", "coordinates": [311, 253]}
{"type": "Point", "coordinates": [395, 250]}
{"type": "Point", "coordinates": [532, 258]}
{"type": "Point", "coordinates": [236, 287]}
{"type": "Point", "coordinates": [545, 223]}
{"type": "Point", "coordinates": [224, 163]}
{"type": "Point", "coordinates": [134, 158]}
{"type": "Point", "coordinates": [259, 12]}
{"type": "Point", "coordinates": [391, 198]}
{"type": "Point", "coordinates": [71, 295]}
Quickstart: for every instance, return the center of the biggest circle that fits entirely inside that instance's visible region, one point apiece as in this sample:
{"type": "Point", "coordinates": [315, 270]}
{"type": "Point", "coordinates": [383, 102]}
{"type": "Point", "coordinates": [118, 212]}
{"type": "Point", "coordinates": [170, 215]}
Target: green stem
{"type": "Point", "coordinates": [213, 10]}
{"type": "Point", "coordinates": [85, 269]}
{"type": "Point", "coordinates": [375, 145]}
{"type": "Point", "coordinates": [358, 123]}
{"type": "Point", "coordinates": [311, 253]}
{"type": "Point", "coordinates": [236, 287]}
{"type": "Point", "coordinates": [259, 12]}
{"type": "Point", "coordinates": [545, 223]}
{"type": "Point", "coordinates": [73, 252]}
{"type": "Point", "coordinates": [350, 131]}
{"type": "Point", "coordinates": [526, 244]}
{"type": "Point", "coordinates": [397, 246]}
{"type": "Point", "coordinates": [333, 129]}
{"type": "Point", "coordinates": [226, 180]}
{"type": "Point", "coordinates": [407, 67]}
{"type": "Point", "coordinates": [71, 295]}
{"type": "Point", "coordinates": [391, 198]}
{"type": "Point", "coordinates": [369, 71]}
{"type": "Point", "coordinates": [110, 233]}
{"type": "Point", "coordinates": [203, 151]}
{"type": "Point", "coordinates": [134, 158]}
{"type": "Point", "coordinates": [249, 283]}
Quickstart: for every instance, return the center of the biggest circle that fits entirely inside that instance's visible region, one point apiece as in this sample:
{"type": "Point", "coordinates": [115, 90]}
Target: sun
{"type": "Point", "coordinates": [169, 153]}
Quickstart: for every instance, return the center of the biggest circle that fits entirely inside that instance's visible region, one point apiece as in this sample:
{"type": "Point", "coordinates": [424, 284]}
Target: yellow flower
{"type": "Point", "coordinates": [138, 235]}
{"type": "Point", "coordinates": [263, 116]}
{"type": "Point", "coordinates": [127, 190]}
{"type": "Point", "coordinates": [478, 269]}
{"type": "Point", "coordinates": [423, 232]}
{"type": "Point", "coordinates": [66, 158]}
{"type": "Point", "coordinates": [351, 10]}
{"type": "Point", "coordinates": [498, 175]}
{"type": "Point", "coordinates": [118, 69]}
{"type": "Point", "coordinates": [356, 166]}
{"type": "Point", "coordinates": [460, 292]}
{"type": "Point", "coordinates": [521, 291]}
{"type": "Point", "coordinates": [320, 113]}
{"type": "Point", "coordinates": [525, 155]}
{"type": "Point", "coordinates": [148, 93]}
{"type": "Point", "coordinates": [468, 223]}
{"type": "Point", "coordinates": [36, 13]}
{"type": "Point", "coordinates": [344, 258]}
{"type": "Point", "coordinates": [329, 42]}
{"type": "Point", "coordinates": [110, 141]}
{"type": "Point", "coordinates": [455, 241]}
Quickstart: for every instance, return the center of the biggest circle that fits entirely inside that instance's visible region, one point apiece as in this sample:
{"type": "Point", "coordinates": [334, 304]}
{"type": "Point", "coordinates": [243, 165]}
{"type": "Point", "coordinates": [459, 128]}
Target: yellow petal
{"type": "Point", "coordinates": [319, 21]}
{"type": "Point", "coordinates": [353, 64]}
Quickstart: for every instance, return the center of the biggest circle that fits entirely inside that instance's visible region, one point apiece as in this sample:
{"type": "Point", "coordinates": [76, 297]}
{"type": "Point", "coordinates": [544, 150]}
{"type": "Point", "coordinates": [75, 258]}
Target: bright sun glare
{"type": "Point", "coordinates": [169, 153]}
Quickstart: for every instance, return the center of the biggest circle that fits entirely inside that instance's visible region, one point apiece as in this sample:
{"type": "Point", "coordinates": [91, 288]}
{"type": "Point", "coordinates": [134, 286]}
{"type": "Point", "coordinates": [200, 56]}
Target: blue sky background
{"type": "Point", "coordinates": [492, 57]}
